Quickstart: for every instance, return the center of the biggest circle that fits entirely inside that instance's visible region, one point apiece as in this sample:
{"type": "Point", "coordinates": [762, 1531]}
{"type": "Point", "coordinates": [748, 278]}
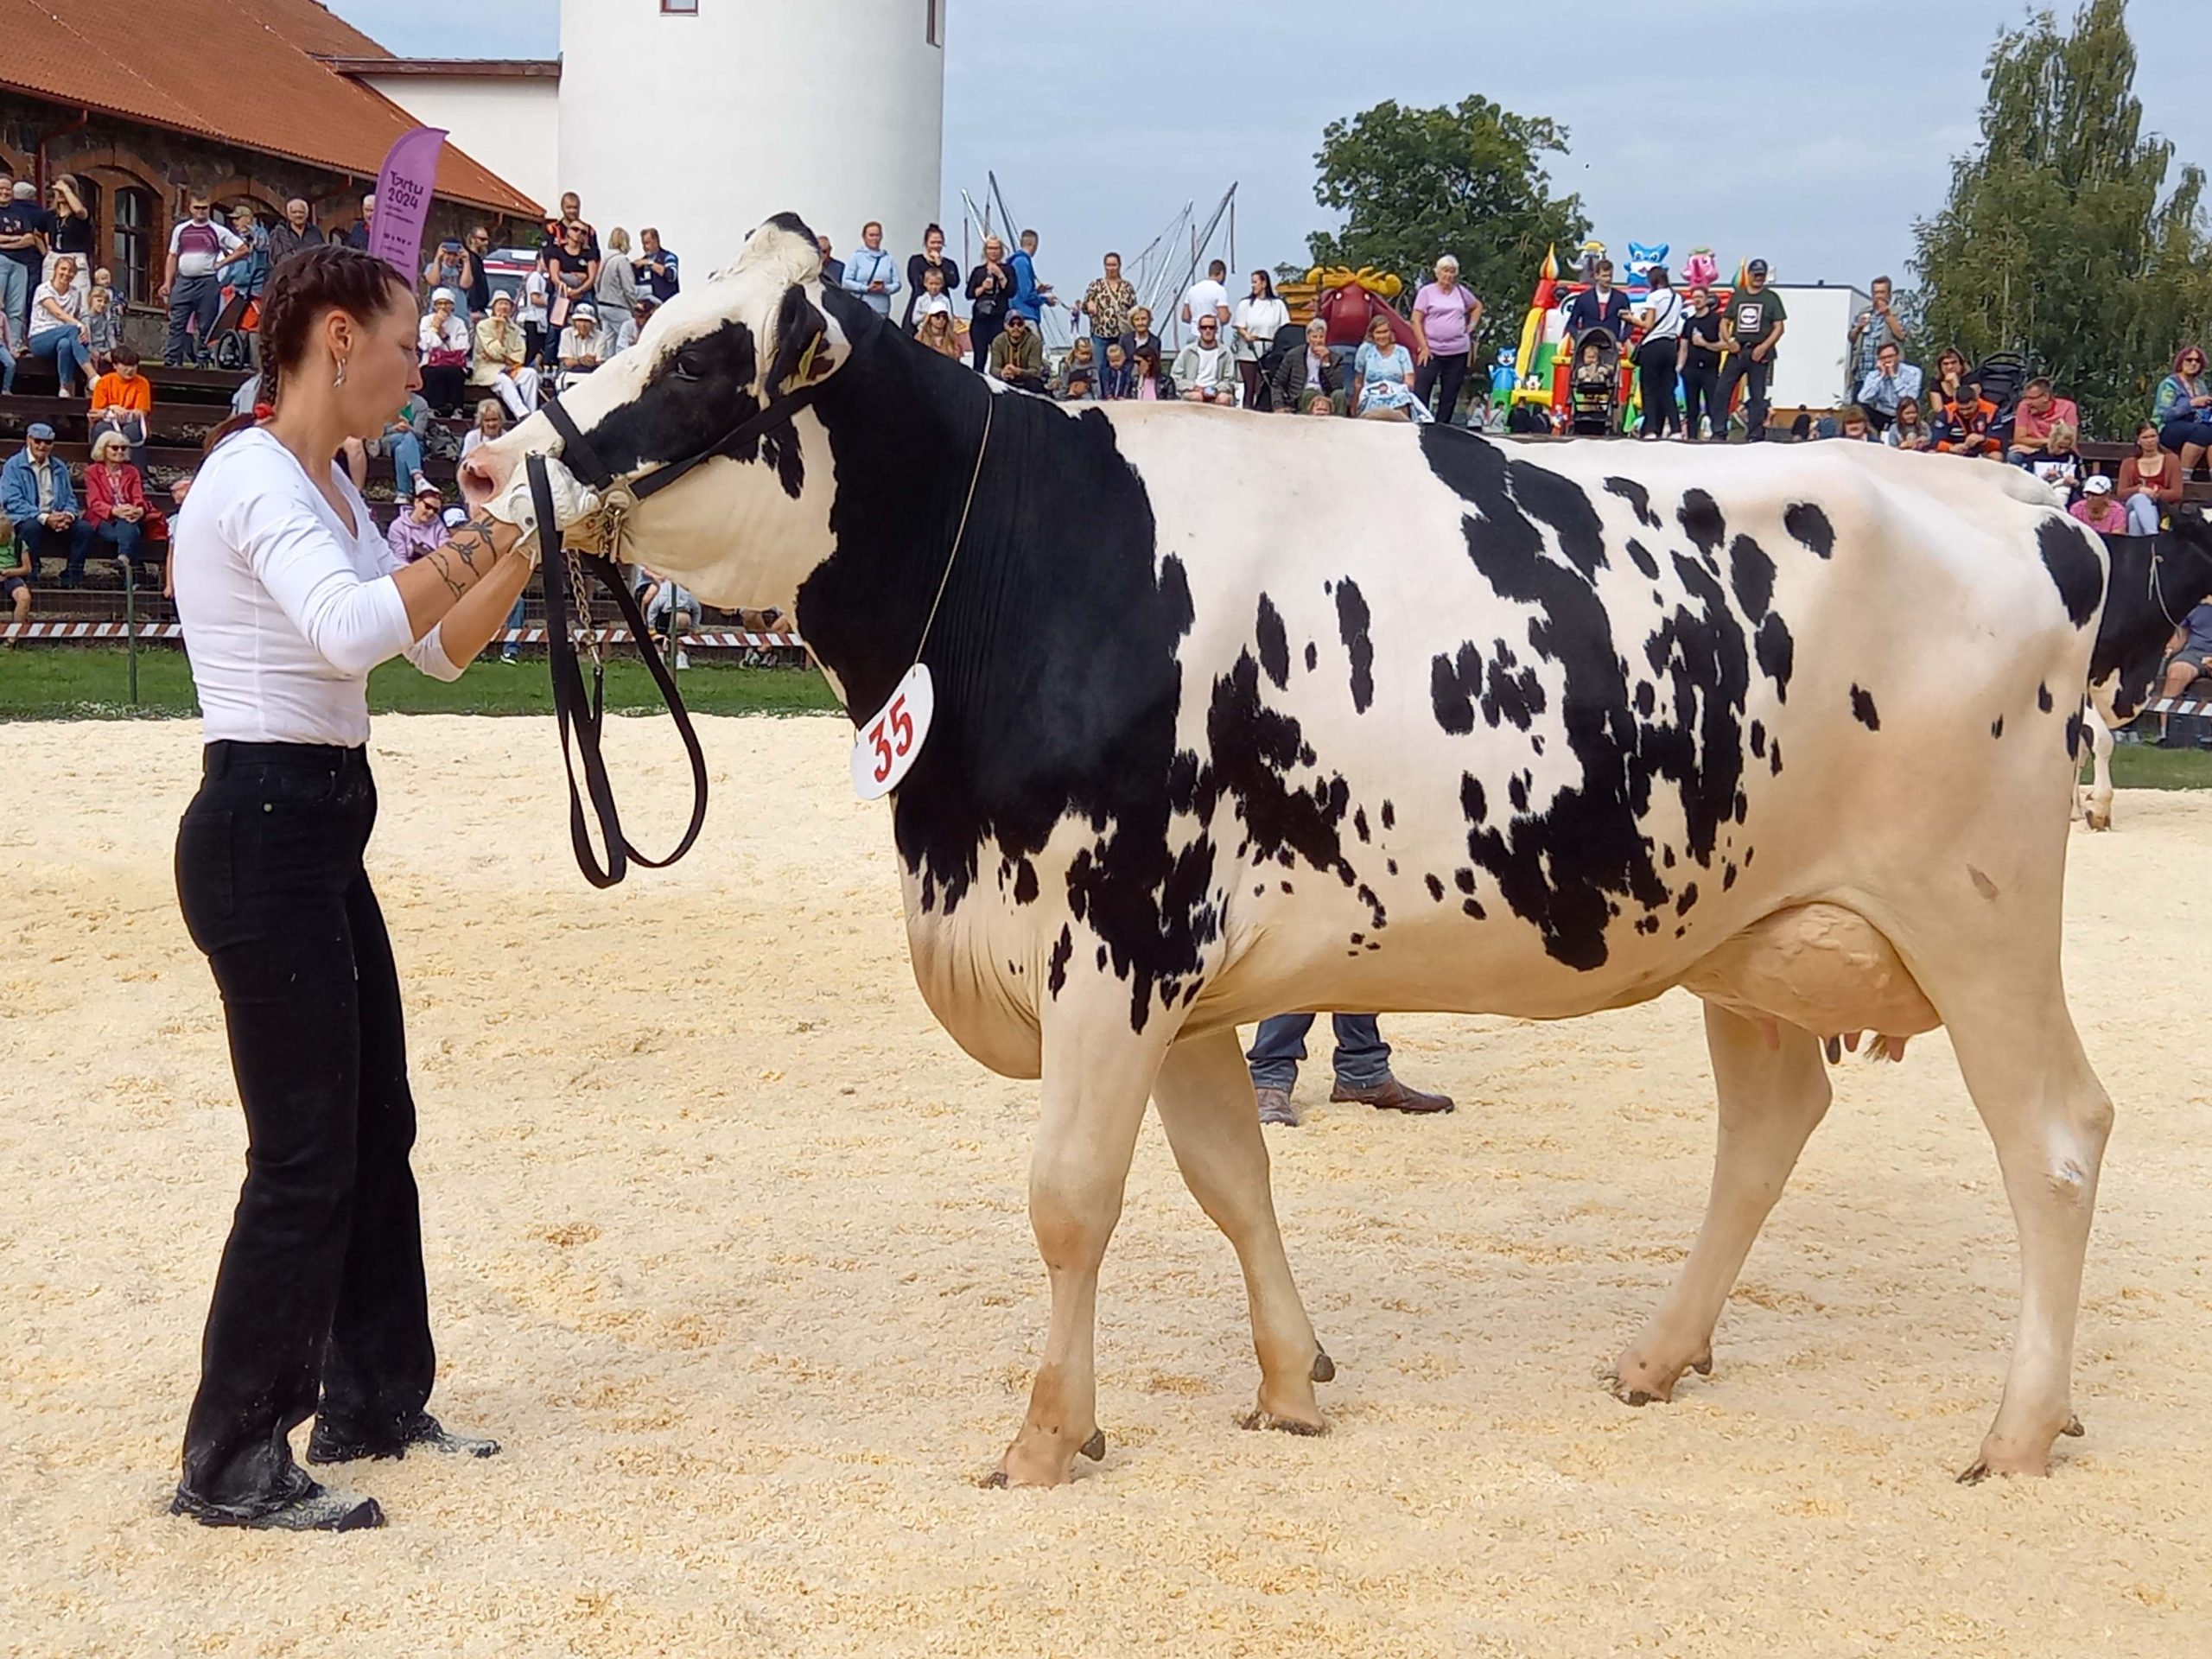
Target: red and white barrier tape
{"type": "Point", "coordinates": [164, 632]}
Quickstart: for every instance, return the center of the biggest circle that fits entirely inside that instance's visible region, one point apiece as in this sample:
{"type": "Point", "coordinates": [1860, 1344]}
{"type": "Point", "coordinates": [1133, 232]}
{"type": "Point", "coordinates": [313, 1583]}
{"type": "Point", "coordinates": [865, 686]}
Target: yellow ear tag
{"type": "Point", "coordinates": [807, 361]}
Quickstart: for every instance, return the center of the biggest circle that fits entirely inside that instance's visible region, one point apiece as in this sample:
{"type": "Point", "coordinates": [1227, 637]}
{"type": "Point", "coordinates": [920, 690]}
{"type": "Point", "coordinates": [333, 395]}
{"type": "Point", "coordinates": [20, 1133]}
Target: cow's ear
{"type": "Point", "coordinates": [804, 344]}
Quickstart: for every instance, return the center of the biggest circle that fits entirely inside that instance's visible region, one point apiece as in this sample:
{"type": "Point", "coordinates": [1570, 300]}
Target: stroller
{"type": "Point", "coordinates": [1594, 385]}
{"type": "Point", "coordinates": [229, 343]}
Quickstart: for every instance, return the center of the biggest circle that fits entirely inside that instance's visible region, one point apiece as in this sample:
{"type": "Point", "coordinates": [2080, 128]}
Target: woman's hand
{"type": "Point", "coordinates": [572, 501]}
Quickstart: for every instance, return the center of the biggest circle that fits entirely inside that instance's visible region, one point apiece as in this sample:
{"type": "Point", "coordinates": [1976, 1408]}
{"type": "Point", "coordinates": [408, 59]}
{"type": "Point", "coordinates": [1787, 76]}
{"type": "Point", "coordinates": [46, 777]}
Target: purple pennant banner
{"type": "Point", "coordinates": [403, 190]}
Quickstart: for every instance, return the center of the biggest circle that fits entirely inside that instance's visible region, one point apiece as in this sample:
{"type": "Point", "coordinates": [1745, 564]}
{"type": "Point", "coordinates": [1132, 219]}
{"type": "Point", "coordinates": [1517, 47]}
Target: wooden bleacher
{"type": "Point", "coordinates": [2105, 458]}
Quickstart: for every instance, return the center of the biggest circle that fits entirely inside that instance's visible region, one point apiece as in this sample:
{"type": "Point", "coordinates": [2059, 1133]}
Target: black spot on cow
{"type": "Point", "coordinates": [1313, 655]}
{"type": "Point", "coordinates": [1474, 805]}
{"type": "Point", "coordinates": [1811, 525]}
{"type": "Point", "coordinates": [1389, 816]}
{"type": "Point", "coordinates": [1997, 727]}
{"type": "Point", "coordinates": [1515, 698]}
{"type": "Point", "coordinates": [1285, 887]}
{"type": "Point", "coordinates": [1063, 948]}
{"type": "Point", "coordinates": [1102, 958]}
{"type": "Point", "coordinates": [1701, 649]}
{"type": "Point", "coordinates": [1862, 708]}
{"type": "Point", "coordinates": [1435, 888]}
{"type": "Point", "coordinates": [1687, 898]}
{"type": "Point", "coordinates": [1751, 576]}
{"type": "Point", "coordinates": [1359, 823]}
{"type": "Point", "coordinates": [2075, 569]}
{"type": "Point", "coordinates": [1473, 907]}
{"type": "Point", "coordinates": [1759, 739]}
{"type": "Point", "coordinates": [1701, 517]}
{"type": "Point", "coordinates": [1351, 627]}
{"type": "Point", "coordinates": [1640, 555]}
{"type": "Point", "coordinates": [1451, 689]}
{"type": "Point", "coordinates": [1647, 699]}
{"type": "Point", "coordinates": [1727, 877]}
{"type": "Point", "coordinates": [1358, 937]}
{"type": "Point", "coordinates": [1647, 925]}
{"type": "Point", "coordinates": [1774, 768]}
{"type": "Point", "coordinates": [1517, 792]}
{"type": "Point", "coordinates": [1275, 646]}
{"type": "Point", "coordinates": [1377, 916]}
{"type": "Point", "coordinates": [1638, 498]}
{"type": "Point", "coordinates": [1777, 653]}
{"type": "Point", "coordinates": [1025, 883]}
{"type": "Point", "coordinates": [2042, 698]}
{"type": "Point", "coordinates": [1463, 879]}
{"type": "Point", "coordinates": [1750, 852]}
{"type": "Point", "coordinates": [2077, 733]}
{"type": "Point", "coordinates": [1667, 857]}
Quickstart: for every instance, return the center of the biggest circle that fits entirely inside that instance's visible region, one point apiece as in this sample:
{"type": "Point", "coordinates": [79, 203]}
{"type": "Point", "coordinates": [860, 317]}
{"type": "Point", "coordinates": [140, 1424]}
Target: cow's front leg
{"type": "Point", "coordinates": [1097, 1076]}
{"type": "Point", "coordinates": [1771, 1099]}
{"type": "Point", "coordinates": [1213, 1119]}
{"type": "Point", "coordinates": [2096, 810]}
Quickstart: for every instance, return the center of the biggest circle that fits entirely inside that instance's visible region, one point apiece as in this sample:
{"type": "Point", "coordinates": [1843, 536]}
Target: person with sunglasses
{"type": "Point", "coordinates": [2183, 410]}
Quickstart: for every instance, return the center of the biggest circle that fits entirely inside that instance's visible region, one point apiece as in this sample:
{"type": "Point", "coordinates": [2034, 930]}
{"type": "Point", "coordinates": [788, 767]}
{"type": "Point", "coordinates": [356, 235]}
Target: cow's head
{"type": "Point", "coordinates": [740, 530]}
{"type": "Point", "coordinates": [2132, 637]}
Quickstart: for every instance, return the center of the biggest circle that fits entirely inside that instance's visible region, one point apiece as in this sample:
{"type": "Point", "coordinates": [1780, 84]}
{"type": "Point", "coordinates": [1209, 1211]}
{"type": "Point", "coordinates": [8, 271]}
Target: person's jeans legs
{"type": "Point", "coordinates": [510, 650]}
{"type": "Point", "coordinates": [124, 538]}
{"type": "Point", "coordinates": [2142, 513]}
{"type": "Point", "coordinates": [1755, 375]}
{"type": "Point", "coordinates": [1276, 1051]}
{"type": "Point", "coordinates": [14, 303]}
{"type": "Point", "coordinates": [406, 453]}
{"type": "Point", "coordinates": [1363, 1058]}
{"type": "Point", "coordinates": [72, 360]}
{"type": "Point", "coordinates": [7, 363]}
{"type": "Point", "coordinates": [74, 543]}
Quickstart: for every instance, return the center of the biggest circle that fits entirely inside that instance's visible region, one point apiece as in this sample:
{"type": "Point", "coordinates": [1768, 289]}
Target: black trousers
{"type": "Point", "coordinates": [1655, 370]}
{"type": "Point", "coordinates": [320, 1305]}
{"type": "Point", "coordinates": [981, 331]}
{"type": "Point", "coordinates": [1753, 377]}
{"type": "Point", "coordinates": [1701, 396]}
{"type": "Point", "coordinates": [1437, 384]}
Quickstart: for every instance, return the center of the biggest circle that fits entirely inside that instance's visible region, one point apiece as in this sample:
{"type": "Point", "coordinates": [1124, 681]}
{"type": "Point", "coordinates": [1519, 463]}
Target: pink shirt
{"type": "Point", "coordinates": [1444, 317]}
{"type": "Point", "coordinates": [2026, 423]}
{"type": "Point", "coordinates": [2109, 519]}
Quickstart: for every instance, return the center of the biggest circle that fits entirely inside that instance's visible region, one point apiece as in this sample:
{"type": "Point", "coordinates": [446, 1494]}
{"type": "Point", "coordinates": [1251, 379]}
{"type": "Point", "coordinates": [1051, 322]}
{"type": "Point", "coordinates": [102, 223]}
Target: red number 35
{"type": "Point", "coordinates": [900, 737]}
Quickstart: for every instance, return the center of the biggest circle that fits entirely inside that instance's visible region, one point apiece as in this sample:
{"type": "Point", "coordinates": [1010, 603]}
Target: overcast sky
{"type": "Point", "coordinates": [1818, 154]}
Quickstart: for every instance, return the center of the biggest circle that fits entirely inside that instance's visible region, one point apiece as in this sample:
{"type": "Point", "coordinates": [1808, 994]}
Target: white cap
{"type": "Point", "coordinates": [2096, 484]}
{"type": "Point", "coordinates": [937, 305]}
{"type": "Point", "coordinates": [445, 294]}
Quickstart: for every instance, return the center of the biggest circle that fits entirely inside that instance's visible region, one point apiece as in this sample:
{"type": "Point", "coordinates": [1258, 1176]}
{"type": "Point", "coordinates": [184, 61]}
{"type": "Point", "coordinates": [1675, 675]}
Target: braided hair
{"type": "Point", "coordinates": [306, 287]}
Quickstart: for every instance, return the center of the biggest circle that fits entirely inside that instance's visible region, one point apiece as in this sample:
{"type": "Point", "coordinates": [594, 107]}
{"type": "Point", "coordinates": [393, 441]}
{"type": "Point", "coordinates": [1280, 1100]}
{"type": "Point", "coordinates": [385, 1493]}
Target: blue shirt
{"type": "Point", "coordinates": [1028, 300]}
{"type": "Point", "coordinates": [661, 288]}
{"type": "Point", "coordinates": [19, 489]}
{"type": "Point", "coordinates": [872, 265]}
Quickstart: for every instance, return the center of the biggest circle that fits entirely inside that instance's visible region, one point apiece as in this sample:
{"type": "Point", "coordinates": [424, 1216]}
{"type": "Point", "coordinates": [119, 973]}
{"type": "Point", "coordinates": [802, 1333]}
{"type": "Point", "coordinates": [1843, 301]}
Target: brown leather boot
{"type": "Point", "coordinates": [1391, 1095]}
{"type": "Point", "coordinates": [1276, 1108]}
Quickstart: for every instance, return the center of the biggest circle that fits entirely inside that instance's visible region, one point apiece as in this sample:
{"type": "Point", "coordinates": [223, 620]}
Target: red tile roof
{"type": "Point", "coordinates": [240, 72]}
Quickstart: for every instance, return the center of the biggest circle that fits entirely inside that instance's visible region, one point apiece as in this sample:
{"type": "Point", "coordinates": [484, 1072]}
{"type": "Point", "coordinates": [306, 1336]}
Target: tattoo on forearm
{"type": "Point", "coordinates": [438, 561]}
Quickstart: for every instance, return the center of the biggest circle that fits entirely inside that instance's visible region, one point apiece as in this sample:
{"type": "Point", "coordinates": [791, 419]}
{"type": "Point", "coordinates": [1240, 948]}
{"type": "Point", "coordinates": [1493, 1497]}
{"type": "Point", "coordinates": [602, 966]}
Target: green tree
{"type": "Point", "coordinates": [2060, 239]}
{"type": "Point", "coordinates": [1466, 180]}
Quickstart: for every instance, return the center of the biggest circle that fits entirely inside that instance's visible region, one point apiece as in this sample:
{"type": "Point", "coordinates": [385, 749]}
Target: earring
{"type": "Point", "coordinates": [341, 380]}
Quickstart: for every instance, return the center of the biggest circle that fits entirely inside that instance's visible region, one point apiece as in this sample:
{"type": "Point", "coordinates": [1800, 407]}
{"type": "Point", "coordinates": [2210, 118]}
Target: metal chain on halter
{"type": "Point", "coordinates": [579, 598]}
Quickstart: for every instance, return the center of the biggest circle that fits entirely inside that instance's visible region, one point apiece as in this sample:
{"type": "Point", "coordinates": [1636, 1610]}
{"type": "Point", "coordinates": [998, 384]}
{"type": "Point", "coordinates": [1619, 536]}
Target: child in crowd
{"type": "Point", "coordinates": [103, 328]}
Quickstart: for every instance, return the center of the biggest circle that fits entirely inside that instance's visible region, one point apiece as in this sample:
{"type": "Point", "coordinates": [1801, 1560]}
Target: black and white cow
{"type": "Point", "coordinates": [1238, 715]}
{"type": "Point", "coordinates": [2155, 582]}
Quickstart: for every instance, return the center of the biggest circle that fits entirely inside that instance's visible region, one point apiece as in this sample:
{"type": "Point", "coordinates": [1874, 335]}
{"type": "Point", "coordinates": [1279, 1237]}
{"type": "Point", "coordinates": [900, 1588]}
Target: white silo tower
{"type": "Point", "coordinates": [703, 117]}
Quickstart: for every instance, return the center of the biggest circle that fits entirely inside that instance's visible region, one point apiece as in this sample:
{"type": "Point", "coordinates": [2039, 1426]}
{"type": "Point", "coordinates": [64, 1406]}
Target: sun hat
{"type": "Point", "coordinates": [447, 295]}
{"type": "Point", "coordinates": [2097, 483]}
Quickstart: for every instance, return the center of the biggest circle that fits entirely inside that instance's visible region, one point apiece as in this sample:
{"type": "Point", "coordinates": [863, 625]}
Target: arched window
{"type": "Point", "coordinates": [134, 228]}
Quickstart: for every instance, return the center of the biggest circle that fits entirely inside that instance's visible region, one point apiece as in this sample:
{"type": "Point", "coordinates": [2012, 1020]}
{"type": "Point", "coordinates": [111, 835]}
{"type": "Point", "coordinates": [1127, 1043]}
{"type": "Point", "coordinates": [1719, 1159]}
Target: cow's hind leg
{"type": "Point", "coordinates": [1206, 1105]}
{"type": "Point", "coordinates": [1096, 1082]}
{"type": "Point", "coordinates": [2096, 807]}
{"type": "Point", "coordinates": [1772, 1098]}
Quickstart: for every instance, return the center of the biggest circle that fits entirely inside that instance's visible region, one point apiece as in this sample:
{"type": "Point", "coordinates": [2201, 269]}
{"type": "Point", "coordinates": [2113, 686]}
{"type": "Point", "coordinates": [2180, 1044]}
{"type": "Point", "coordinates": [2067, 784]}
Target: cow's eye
{"type": "Point", "coordinates": [682, 367]}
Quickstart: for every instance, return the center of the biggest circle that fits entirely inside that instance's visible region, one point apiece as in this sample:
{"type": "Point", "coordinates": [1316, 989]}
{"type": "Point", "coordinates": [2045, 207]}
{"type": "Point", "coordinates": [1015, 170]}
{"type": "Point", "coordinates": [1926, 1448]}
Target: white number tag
{"type": "Point", "coordinates": [885, 751]}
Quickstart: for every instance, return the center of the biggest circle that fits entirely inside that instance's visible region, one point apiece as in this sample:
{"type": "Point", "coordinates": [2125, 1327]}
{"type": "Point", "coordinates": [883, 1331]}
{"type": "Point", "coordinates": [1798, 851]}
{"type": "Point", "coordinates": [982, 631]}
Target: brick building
{"type": "Point", "coordinates": [161, 99]}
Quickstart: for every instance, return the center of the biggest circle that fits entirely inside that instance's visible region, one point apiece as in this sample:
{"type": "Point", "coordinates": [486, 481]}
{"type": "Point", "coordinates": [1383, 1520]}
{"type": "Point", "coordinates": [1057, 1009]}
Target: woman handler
{"type": "Point", "coordinates": [288, 597]}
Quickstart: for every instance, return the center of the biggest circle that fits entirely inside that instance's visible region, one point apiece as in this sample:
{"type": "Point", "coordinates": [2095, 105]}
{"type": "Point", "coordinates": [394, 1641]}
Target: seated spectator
{"type": "Point", "coordinates": [402, 440]}
{"type": "Point", "coordinates": [491, 422]}
{"type": "Point", "coordinates": [616, 289]}
{"type": "Point", "coordinates": [1152, 385]}
{"type": "Point", "coordinates": [1951, 374]}
{"type": "Point", "coordinates": [38, 498]}
{"type": "Point", "coordinates": [1313, 368]}
{"type": "Point", "coordinates": [939, 329]}
{"type": "Point", "coordinates": [635, 324]}
{"type": "Point", "coordinates": [1079, 360]}
{"type": "Point", "coordinates": [1207, 369]}
{"type": "Point", "coordinates": [1383, 378]}
{"type": "Point", "coordinates": [2034, 418]}
{"type": "Point", "coordinates": [1140, 332]}
{"type": "Point", "coordinates": [446, 348]}
{"type": "Point", "coordinates": [2149, 482]}
{"type": "Point", "coordinates": [1318, 403]}
{"type": "Point", "coordinates": [123, 402]}
{"type": "Point", "coordinates": [500, 363]}
{"type": "Point", "coordinates": [58, 330]}
{"type": "Point", "coordinates": [1965, 430]}
{"type": "Point", "coordinates": [115, 502]}
{"type": "Point", "coordinates": [1855, 428]}
{"type": "Point", "coordinates": [7, 358]}
{"type": "Point", "coordinates": [1888, 385]}
{"type": "Point", "coordinates": [2191, 648]}
{"type": "Point", "coordinates": [672, 612]}
{"type": "Point", "coordinates": [1077, 386]}
{"type": "Point", "coordinates": [15, 573]}
{"type": "Point", "coordinates": [1909, 431]}
{"type": "Point", "coordinates": [582, 346]}
{"type": "Point", "coordinates": [930, 286]}
{"type": "Point", "coordinates": [2182, 410]}
{"type": "Point", "coordinates": [420, 530]}
{"type": "Point", "coordinates": [2098, 510]}
{"type": "Point", "coordinates": [1017, 355]}
{"type": "Point", "coordinates": [1117, 377]}
{"type": "Point", "coordinates": [103, 327]}
{"type": "Point", "coordinates": [2059, 463]}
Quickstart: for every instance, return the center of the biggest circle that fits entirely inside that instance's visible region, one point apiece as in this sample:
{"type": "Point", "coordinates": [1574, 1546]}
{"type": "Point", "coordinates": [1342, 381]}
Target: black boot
{"type": "Point", "coordinates": [302, 1505]}
{"type": "Point", "coordinates": [331, 1443]}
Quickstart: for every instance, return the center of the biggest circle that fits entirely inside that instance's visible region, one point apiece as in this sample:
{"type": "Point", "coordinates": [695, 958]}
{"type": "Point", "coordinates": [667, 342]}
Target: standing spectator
{"type": "Point", "coordinates": [1363, 1068]}
{"type": "Point", "coordinates": [449, 267]}
{"type": "Point", "coordinates": [1887, 384]}
{"type": "Point", "coordinates": [583, 347]}
{"type": "Point", "coordinates": [1310, 369]}
{"type": "Point", "coordinates": [872, 273]}
{"type": "Point", "coordinates": [245, 274]}
{"type": "Point", "coordinates": [35, 494]}
{"type": "Point", "coordinates": [447, 348]}
{"type": "Point", "coordinates": [1140, 333]}
{"type": "Point", "coordinates": [930, 258]}
{"type": "Point", "coordinates": [7, 360]}
{"type": "Point", "coordinates": [536, 306]}
{"type": "Point", "coordinates": [833, 268]}
{"type": "Point", "coordinates": [22, 256]}
{"type": "Point", "coordinates": [70, 230]}
{"type": "Point", "coordinates": [2037, 416]}
{"type": "Point", "coordinates": [1874, 327]}
{"type": "Point", "coordinates": [575, 269]}
{"type": "Point", "coordinates": [2099, 510]}
{"type": "Point", "coordinates": [1383, 378]}
{"type": "Point", "coordinates": [990, 292]}
{"type": "Point", "coordinates": [933, 288]}
{"type": "Point", "coordinates": [572, 218]}
{"type": "Point", "coordinates": [1258, 318]}
{"type": "Point", "coordinates": [57, 329]}
{"type": "Point", "coordinates": [1659, 354]}
{"type": "Point", "coordinates": [1599, 306]}
{"type": "Point", "coordinates": [2149, 482]}
{"type": "Point", "coordinates": [501, 361]}
{"type": "Point", "coordinates": [401, 439]}
{"type": "Point", "coordinates": [1017, 355]}
{"type": "Point", "coordinates": [103, 327]}
{"type": "Point", "coordinates": [122, 402]}
{"type": "Point", "coordinates": [1445, 318]}
{"type": "Point", "coordinates": [2183, 408]}
{"type": "Point", "coordinates": [479, 279]}
{"type": "Point", "coordinates": [15, 573]}
{"type": "Point", "coordinates": [616, 286]}
{"type": "Point", "coordinates": [491, 422]}
{"type": "Point", "coordinates": [1208, 297]}
{"type": "Point", "coordinates": [657, 267]}
{"type": "Point", "coordinates": [635, 324]}
{"type": "Point", "coordinates": [940, 330]}
{"type": "Point", "coordinates": [189, 288]}
{"type": "Point", "coordinates": [298, 230]}
{"type": "Point", "coordinates": [115, 502]}
{"type": "Point", "coordinates": [1756, 321]}
{"type": "Point", "coordinates": [358, 236]}
{"type": "Point", "coordinates": [1108, 303]}
{"type": "Point", "coordinates": [1117, 375]}
{"type": "Point", "coordinates": [1909, 430]}
{"type": "Point", "coordinates": [1030, 295]}
{"type": "Point", "coordinates": [1206, 369]}
{"type": "Point", "coordinates": [422, 529]}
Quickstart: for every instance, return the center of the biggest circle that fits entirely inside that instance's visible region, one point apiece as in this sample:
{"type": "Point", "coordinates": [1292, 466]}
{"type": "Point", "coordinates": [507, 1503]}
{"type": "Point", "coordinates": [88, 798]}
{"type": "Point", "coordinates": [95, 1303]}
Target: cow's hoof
{"type": "Point", "coordinates": [1040, 1458]}
{"type": "Point", "coordinates": [1324, 1369]}
{"type": "Point", "coordinates": [1094, 1447]}
{"type": "Point", "coordinates": [1257, 1419]}
{"type": "Point", "coordinates": [2001, 1456]}
{"type": "Point", "coordinates": [2073, 1427]}
{"type": "Point", "coordinates": [1638, 1381]}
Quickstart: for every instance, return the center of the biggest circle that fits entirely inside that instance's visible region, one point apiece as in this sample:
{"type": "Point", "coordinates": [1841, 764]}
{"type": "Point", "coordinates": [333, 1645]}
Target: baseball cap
{"type": "Point", "coordinates": [936, 305]}
{"type": "Point", "coordinates": [1758, 268]}
{"type": "Point", "coordinates": [2096, 484]}
{"type": "Point", "coordinates": [40, 431]}
{"type": "Point", "coordinates": [456, 517]}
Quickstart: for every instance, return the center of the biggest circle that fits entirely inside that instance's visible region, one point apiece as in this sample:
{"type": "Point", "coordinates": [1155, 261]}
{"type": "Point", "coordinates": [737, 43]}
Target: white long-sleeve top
{"type": "Point", "coordinates": [285, 607]}
{"type": "Point", "coordinates": [452, 335]}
